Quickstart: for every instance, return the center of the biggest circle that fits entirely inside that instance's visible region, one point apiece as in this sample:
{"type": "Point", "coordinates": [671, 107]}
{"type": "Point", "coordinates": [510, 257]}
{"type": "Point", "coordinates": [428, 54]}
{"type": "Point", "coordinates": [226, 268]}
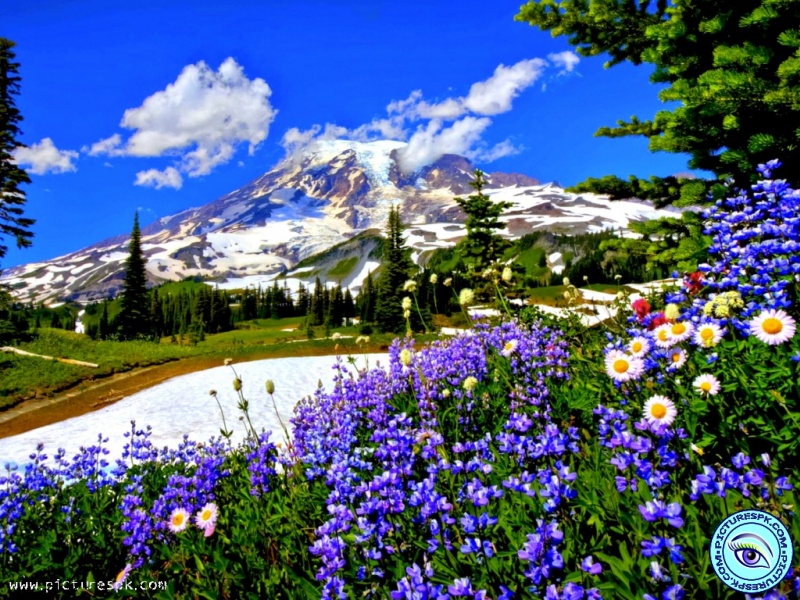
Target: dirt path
{"type": "Point", "coordinates": [87, 396]}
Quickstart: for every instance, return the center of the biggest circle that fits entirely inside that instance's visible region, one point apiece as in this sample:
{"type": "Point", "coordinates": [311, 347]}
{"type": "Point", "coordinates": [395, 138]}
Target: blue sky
{"type": "Point", "coordinates": [134, 105]}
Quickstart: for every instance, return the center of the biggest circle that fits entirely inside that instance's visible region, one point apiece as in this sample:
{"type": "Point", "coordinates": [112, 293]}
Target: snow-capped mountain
{"type": "Point", "coordinates": [309, 203]}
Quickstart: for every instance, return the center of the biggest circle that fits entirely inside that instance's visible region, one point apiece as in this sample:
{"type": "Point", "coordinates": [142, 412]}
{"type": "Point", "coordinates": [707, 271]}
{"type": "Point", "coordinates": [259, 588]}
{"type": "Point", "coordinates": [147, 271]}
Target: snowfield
{"type": "Point", "coordinates": [182, 405]}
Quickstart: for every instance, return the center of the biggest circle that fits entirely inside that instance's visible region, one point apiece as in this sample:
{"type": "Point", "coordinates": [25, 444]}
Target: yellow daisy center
{"type": "Point", "coordinates": [509, 346]}
{"type": "Point", "coordinates": [659, 411]}
{"type": "Point", "coordinates": [676, 357]}
{"type": "Point", "coordinates": [772, 325]}
{"type": "Point", "coordinates": [705, 386]}
{"type": "Point", "coordinates": [206, 514]}
{"type": "Point", "coordinates": [177, 520]}
{"type": "Point", "coordinates": [637, 346]}
{"type": "Point", "coordinates": [707, 333]}
{"type": "Point", "coordinates": [662, 335]}
{"type": "Point", "coordinates": [120, 576]}
{"type": "Point", "coordinates": [621, 365]}
{"type": "Point", "coordinates": [678, 328]}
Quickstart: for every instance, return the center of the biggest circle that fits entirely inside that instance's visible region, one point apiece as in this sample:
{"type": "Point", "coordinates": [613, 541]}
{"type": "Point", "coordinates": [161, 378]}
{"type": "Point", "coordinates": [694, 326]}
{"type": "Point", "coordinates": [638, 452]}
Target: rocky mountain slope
{"type": "Point", "coordinates": [308, 204]}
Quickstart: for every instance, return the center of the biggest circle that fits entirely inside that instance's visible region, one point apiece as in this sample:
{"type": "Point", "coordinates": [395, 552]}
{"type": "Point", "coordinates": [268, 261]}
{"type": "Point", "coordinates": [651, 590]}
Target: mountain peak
{"type": "Point", "coordinates": [308, 203]}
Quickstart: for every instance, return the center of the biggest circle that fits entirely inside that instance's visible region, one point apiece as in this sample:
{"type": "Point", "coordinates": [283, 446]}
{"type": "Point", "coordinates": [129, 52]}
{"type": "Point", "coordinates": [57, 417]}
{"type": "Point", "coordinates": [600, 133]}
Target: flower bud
{"type": "Point", "coordinates": [434, 278]}
{"type": "Point", "coordinates": [405, 357]}
{"type": "Point", "coordinates": [270, 387]}
{"type": "Point", "coordinates": [466, 297]}
{"type": "Point", "coordinates": [410, 286]}
{"type": "Point", "coordinates": [672, 311]}
{"type": "Point", "coordinates": [406, 303]}
{"type": "Point", "coordinates": [406, 314]}
{"type": "Point", "coordinates": [470, 383]}
{"type": "Point", "coordinates": [565, 281]}
{"type": "Point", "coordinates": [237, 384]}
{"type": "Point", "coordinates": [507, 274]}
{"type": "Point", "coordinates": [448, 282]}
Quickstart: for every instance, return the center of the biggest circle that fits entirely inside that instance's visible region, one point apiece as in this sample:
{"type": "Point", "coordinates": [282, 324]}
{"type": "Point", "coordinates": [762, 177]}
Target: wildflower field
{"type": "Point", "coordinates": [532, 458]}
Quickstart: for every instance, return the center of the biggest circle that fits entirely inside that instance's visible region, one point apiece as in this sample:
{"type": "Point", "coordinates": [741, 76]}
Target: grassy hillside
{"type": "Point", "coordinates": [24, 377]}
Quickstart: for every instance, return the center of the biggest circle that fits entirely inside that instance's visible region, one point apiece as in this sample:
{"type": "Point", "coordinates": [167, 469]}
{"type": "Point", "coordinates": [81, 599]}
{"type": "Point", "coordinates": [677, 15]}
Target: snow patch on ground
{"type": "Point", "coordinates": [182, 405]}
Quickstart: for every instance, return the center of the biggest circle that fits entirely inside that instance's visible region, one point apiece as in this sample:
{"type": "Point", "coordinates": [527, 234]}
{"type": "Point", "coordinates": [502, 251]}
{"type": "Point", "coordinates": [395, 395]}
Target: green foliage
{"type": "Point", "coordinates": [483, 246]}
{"type": "Point", "coordinates": [343, 268]}
{"type": "Point", "coordinates": [395, 271]}
{"type": "Point", "coordinates": [732, 67]}
{"type": "Point", "coordinates": [134, 316]}
{"type": "Point", "coordinates": [12, 197]}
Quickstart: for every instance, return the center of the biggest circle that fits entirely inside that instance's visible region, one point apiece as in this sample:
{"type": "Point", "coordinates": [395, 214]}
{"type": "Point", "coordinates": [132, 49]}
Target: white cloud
{"type": "Point", "coordinates": [203, 117]}
{"type": "Point", "coordinates": [431, 142]}
{"type": "Point", "coordinates": [566, 60]}
{"type": "Point", "coordinates": [109, 146]}
{"type": "Point", "coordinates": [44, 157]}
{"type": "Point", "coordinates": [169, 178]}
{"type": "Point", "coordinates": [494, 96]}
{"type": "Point", "coordinates": [431, 139]}
{"type": "Point", "coordinates": [504, 148]}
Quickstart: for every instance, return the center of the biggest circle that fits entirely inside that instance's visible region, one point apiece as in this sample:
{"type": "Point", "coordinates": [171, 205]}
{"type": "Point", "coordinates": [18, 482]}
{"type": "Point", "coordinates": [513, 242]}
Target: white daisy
{"type": "Point", "coordinates": [676, 358]}
{"type": "Point", "coordinates": [178, 520]}
{"type": "Point", "coordinates": [708, 335]}
{"type": "Point", "coordinates": [680, 331]}
{"type": "Point", "coordinates": [660, 410]}
{"type": "Point", "coordinates": [623, 367]}
{"type": "Point", "coordinates": [639, 346]}
{"type": "Point", "coordinates": [773, 327]}
{"type": "Point", "coordinates": [662, 337]}
{"type": "Point", "coordinates": [206, 516]}
{"type": "Point", "coordinates": [509, 348]}
{"type": "Point", "coordinates": [707, 385]}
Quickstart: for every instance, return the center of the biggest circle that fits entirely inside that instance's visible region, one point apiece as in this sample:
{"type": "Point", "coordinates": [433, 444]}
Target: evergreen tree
{"type": "Point", "coordinates": [482, 246]}
{"type": "Point", "coordinates": [156, 314]}
{"type": "Point", "coordinates": [134, 315]}
{"type": "Point", "coordinates": [12, 197]}
{"type": "Point", "coordinates": [317, 308]}
{"type": "Point", "coordinates": [368, 299]}
{"type": "Point", "coordinates": [103, 329]}
{"type": "Point", "coordinates": [55, 320]}
{"type": "Point", "coordinates": [349, 308]}
{"type": "Point", "coordinates": [301, 308]}
{"type": "Point", "coordinates": [733, 67]}
{"type": "Point", "coordinates": [396, 268]}
{"type": "Point", "coordinates": [336, 307]}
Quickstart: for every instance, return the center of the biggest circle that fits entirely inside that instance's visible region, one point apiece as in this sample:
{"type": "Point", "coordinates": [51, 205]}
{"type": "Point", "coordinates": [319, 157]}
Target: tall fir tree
{"type": "Point", "coordinates": [134, 315]}
{"type": "Point", "coordinates": [482, 246]}
{"type": "Point", "coordinates": [103, 328]}
{"type": "Point", "coordinates": [156, 313]}
{"type": "Point", "coordinates": [731, 71]}
{"type": "Point", "coordinates": [349, 309]}
{"type": "Point", "coordinates": [12, 177]}
{"type": "Point", "coordinates": [368, 299]}
{"type": "Point", "coordinates": [396, 268]}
